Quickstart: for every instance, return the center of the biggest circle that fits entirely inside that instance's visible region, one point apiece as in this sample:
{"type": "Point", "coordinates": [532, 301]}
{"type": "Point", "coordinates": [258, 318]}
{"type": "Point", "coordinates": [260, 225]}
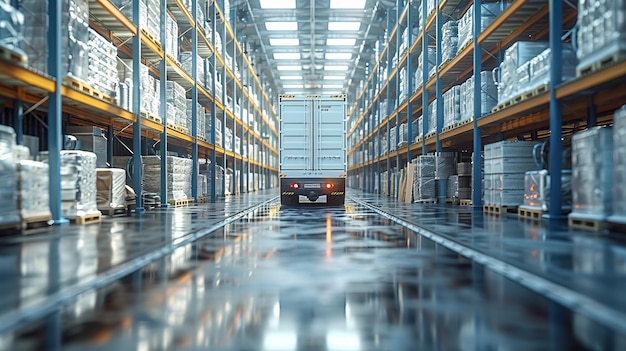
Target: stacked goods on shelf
{"type": "Point", "coordinates": [515, 67]}
{"type": "Point", "coordinates": [237, 145]}
{"type": "Point", "coordinates": [176, 97]}
{"type": "Point", "coordinates": [150, 91]}
{"type": "Point", "coordinates": [444, 168]}
{"type": "Point", "coordinates": [404, 136]}
{"type": "Point", "coordinates": [416, 129]}
{"type": "Point", "coordinates": [78, 183]}
{"type": "Point", "coordinates": [9, 215]}
{"type": "Point", "coordinates": [126, 6]}
{"type": "Point", "coordinates": [219, 90]}
{"type": "Point", "coordinates": [601, 32]}
{"type": "Point", "coordinates": [171, 37]}
{"type": "Point", "coordinates": [430, 7]}
{"type": "Point", "coordinates": [449, 40]}
{"type": "Point", "coordinates": [464, 170]}
{"type": "Point", "coordinates": [453, 187]}
{"type": "Point", "coordinates": [539, 68]}
{"type": "Point", "coordinates": [203, 185]}
{"type": "Point", "coordinates": [74, 37]}
{"type": "Point", "coordinates": [111, 189]}
{"type": "Point", "coordinates": [125, 85]}
{"type": "Point", "coordinates": [403, 93]}
{"type": "Point", "coordinates": [11, 28]}
{"type": "Point", "coordinates": [200, 118]}
{"type": "Point", "coordinates": [537, 190]}
{"type": "Point", "coordinates": [506, 163]}
{"type": "Point", "coordinates": [432, 63]}
{"type": "Point", "coordinates": [619, 167]}
{"type": "Point", "coordinates": [488, 95]}
{"type": "Point", "coordinates": [452, 106]}
{"type": "Point", "coordinates": [424, 187]}
{"type": "Point", "coordinates": [432, 117]}
{"type": "Point", "coordinates": [592, 174]}
{"type": "Point", "coordinates": [393, 142]}
{"type": "Point", "coordinates": [228, 139]}
{"type": "Point", "coordinates": [102, 73]}
{"type": "Point", "coordinates": [178, 176]}
{"type": "Point", "coordinates": [153, 23]}
{"type": "Point", "coordinates": [186, 62]}
{"type": "Point", "coordinates": [488, 13]}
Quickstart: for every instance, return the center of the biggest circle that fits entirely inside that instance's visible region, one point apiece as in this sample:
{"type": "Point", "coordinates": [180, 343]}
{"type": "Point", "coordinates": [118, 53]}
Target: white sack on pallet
{"type": "Point", "coordinates": [8, 178]}
{"type": "Point", "coordinates": [33, 187]}
{"type": "Point", "coordinates": [111, 186]}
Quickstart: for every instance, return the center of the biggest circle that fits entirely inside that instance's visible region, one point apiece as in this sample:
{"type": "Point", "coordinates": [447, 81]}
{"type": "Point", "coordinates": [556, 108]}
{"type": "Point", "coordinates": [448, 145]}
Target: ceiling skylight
{"type": "Point", "coordinates": [289, 68]}
{"type": "Point", "coordinates": [284, 42]}
{"type": "Point", "coordinates": [336, 68]}
{"type": "Point", "coordinates": [353, 26]}
{"type": "Point", "coordinates": [333, 86]}
{"type": "Point", "coordinates": [293, 86]}
{"type": "Point", "coordinates": [334, 77]}
{"type": "Point", "coordinates": [338, 56]}
{"type": "Point", "coordinates": [286, 56]}
{"type": "Point", "coordinates": [280, 4]}
{"type": "Point", "coordinates": [345, 4]}
{"type": "Point", "coordinates": [281, 25]}
{"type": "Point", "coordinates": [290, 77]}
{"type": "Point", "coordinates": [340, 42]}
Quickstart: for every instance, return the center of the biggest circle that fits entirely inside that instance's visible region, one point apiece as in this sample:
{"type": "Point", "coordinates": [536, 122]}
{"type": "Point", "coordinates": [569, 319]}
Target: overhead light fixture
{"type": "Point", "coordinates": [341, 42]}
{"type": "Point", "coordinates": [281, 25]}
{"type": "Point", "coordinates": [333, 86]}
{"type": "Point", "coordinates": [293, 86]}
{"type": "Point", "coordinates": [334, 77]}
{"type": "Point", "coordinates": [284, 42]}
{"type": "Point", "coordinates": [353, 26]}
{"type": "Point", "coordinates": [278, 4]}
{"type": "Point", "coordinates": [286, 56]}
{"type": "Point", "coordinates": [343, 4]}
{"type": "Point", "coordinates": [336, 68]}
{"type": "Point", "coordinates": [289, 68]}
{"type": "Point", "coordinates": [338, 56]}
{"type": "Point", "coordinates": [290, 77]}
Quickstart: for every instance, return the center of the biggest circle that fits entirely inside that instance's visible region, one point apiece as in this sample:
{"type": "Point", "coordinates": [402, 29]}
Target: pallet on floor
{"type": "Point", "coordinates": [528, 213]}
{"type": "Point", "coordinates": [13, 56]}
{"type": "Point", "coordinates": [426, 201]}
{"type": "Point", "coordinates": [204, 199]}
{"type": "Point", "coordinates": [452, 200]}
{"type": "Point", "coordinates": [465, 202]}
{"type": "Point", "coordinates": [112, 211]}
{"type": "Point", "coordinates": [88, 218]}
{"type": "Point", "coordinates": [492, 209]}
{"type": "Point", "coordinates": [88, 89]}
{"type": "Point", "coordinates": [587, 224]}
{"type": "Point", "coordinates": [182, 202]}
{"type": "Point", "coordinates": [607, 61]}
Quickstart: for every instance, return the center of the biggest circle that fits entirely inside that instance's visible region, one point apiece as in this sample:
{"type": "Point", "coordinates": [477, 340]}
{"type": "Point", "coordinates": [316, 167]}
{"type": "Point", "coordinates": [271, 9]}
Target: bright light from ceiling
{"type": "Point", "coordinates": [284, 42]}
{"type": "Point", "coordinates": [338, 56]}
{"type": "Point", "coordinates": [290, 77]}
{"type": "Point", "coordinates": [342, 42]}
{"type": "Point", "coordinates": [281, 25]}
{"type": "Point", "coordinates": [293, 86]}
{"type": "Point", "coordinates": [353, 26]}
{"type": "Point", "coordinates": [286, 55]}
{"type": "Point", "coordinates": [334, 77]}
{"type": "Point", "coordinates": [336, 68]}
{"type": "Point", "coordinates": [278, 4]}
{"type": "Point", "coordinates": [345, 4]}
{"type": "Point", "coordinates": [333, 86]}
{"type": "Point", "coordinates": [289, 68]}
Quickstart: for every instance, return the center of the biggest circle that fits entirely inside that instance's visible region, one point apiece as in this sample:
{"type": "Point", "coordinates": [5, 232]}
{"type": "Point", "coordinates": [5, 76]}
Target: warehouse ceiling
{"type": "Point", "coordinates": [311, 46]}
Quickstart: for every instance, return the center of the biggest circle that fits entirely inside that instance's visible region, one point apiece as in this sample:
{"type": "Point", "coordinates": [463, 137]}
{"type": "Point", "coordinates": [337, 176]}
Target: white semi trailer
{"type": "Point", "coordinates": [313, 142]}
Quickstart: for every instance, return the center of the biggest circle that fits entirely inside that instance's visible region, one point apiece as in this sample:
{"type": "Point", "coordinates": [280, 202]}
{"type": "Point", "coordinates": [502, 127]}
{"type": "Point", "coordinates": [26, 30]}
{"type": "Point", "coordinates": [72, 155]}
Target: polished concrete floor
{"type": "Point", "coordinates": [310, 278]}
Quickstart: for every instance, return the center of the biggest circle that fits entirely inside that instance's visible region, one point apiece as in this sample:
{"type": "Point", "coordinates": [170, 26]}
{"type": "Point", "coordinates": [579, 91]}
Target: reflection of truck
{"type": "Point", "coordinates": [313, 149]}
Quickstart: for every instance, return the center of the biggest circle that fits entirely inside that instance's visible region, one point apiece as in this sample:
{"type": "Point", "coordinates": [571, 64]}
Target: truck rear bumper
{"type": "Point", "coordinates": [313, 188]}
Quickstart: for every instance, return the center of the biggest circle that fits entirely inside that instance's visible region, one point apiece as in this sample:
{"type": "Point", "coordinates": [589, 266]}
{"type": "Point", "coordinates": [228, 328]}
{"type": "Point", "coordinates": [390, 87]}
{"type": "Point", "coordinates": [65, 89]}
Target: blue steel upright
{"type": "Point", "coordinates": [439, 83]}
{"type": "Point", "coordinates": [55, 136]}
{"type": "Point", "coordinates": [137, 165]}
{"type": "Point", "coordinates": [18, 120]}
{"type": "Point", "coordinates": [213, 165]}
{"type": "Point", "coordinates": [389, 102]}
{"type": "Point", "coordinates": [399, 9]}
{"type": "Point", "coordinates": [409, 82]}
{"type": "Point", "coordinates": [424, 63]}
{"type": "Point", "coordinates": [556, 146]}
{"type": "Point", "coordinates": [476, 179]}
{"type": "Point", "coordinates": [163, 108]}
{"type": "Point", "coordinates": [194, 101]}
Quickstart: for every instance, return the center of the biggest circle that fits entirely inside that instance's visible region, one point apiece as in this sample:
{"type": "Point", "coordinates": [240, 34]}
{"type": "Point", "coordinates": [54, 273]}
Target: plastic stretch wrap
{"type": "Point", "coordinates": [403, 134]}
{"type": "Point", "coordinates": [452, 106]}
{"type": "Point", "coordinates": [516, 149]}
{"type": "Point", "coordinates": [11, 27]}
{"type": "Point", "coordinates": [186, 63]}
{"type": "Point", "coordinates": [126, 6]}
{"type": "Point", "coordinates": [424, 184]}
{"type": "Point", "coordinates": [171, 37]}
{"type": "Point", "coordinates": [153, 23]}
{"type": "Point", "coordinates": [601, 30]}
{"type": "Point", "coordinates": [393, 144]}
{"type": "Point", "coordinates": [102, 73]}
{"type": "Point", "coordinates": [32, 187]}
{"type": "Point", "coordinates": [444, 165]}
{"type": "Point", "coordinates": [111, 184]}
{"type": "Point", "coordinates": [74, 36]}
{"type": "Point", "coordinates": [453, 186]}
{"type": "Point", "coordinates": [178, 178]}
{"type": "Point", "coordinates": [202, 186]}
{"type": "Point", "coordinates": [619, 166]}
{"type": "Point", "coordinates": [8, 177]}
{"type": "Point", "coordinates": [511, 69]}
{"type": "Point", "coordinates": [509, 165]}
{"type": "Point", "coordinates": [432, 116]}
{"type": "Point", "coordinates": [464, 168]}
{"type": "Point", "coordinates": [592, 173]}
{"type": "Point", "coordinates": [488, 13]}
{"type": "Point", "coordinates": [537, 190]}
{"type": "Point", "coordinates": [21, 152]}
{"type": "Point", "coordinates": [540, 68]}
{"type": "Point", "coordinates": [176, 95]}
{"type": "Point", "coordinates": [449, 41]}
{"type": "Point", "coordinates": [432, 62]}
{"type": "Point", "coordinates": [488, 97]}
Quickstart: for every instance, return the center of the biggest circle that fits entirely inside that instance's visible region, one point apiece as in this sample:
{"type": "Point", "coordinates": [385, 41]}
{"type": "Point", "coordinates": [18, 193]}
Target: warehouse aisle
{"type": "Point", "coordinates": [321, 279]}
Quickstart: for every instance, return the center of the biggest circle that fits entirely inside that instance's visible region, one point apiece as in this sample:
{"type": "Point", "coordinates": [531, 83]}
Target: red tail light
{"type": "Point", "coordinates": [294, 185]}
{"type": "Point", "coordinates": [329, 185]}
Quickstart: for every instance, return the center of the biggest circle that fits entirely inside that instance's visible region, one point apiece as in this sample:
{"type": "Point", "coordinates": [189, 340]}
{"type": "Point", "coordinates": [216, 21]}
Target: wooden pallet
{"type": "Point", "coordinates": [465, 202]}
{"type": "Point", "coordinates": [527, 213]}
{"type": "Point", "coordinates": [499, 209]}
{"type": "Point", "coordinates": [112, 211]}
{"type": "Point", "coordinates": [418, 140]}
{"type": "Point", "coordinates": [182, 202]}
{"type": "Point", "coordinates": [204, 199]}
{"type": "Point", "coordinates": [89, 218]}
{"type": "Point", "coordinates": [88, 89]}
{"type": "Point", "coordinates": [30, 223]}
{"type": "Point", "coordinates": [151, 38]}
{"type": "Point", "coordinates": [466, 45]}
{"type": "Point", "coordinates": [444, 64]}
{"type": "Point", "coordinates": [430, 135]}
{"type": "Point", "coordinates": [587, 224]}
{"type": "Point", "coordinates": [452, 200]}
{"type": "Point", "coordinates": [151, 117]}
{"type": "Point", "coordinates": [426, 201]}
{"type": "Point", "coordinates": [447, 128]}
{"type": "Point", "coordinates": [600, 64]}
{"type": "Point", "coordinates": [201, 138]}
{"type": "Point", "coordinates": [13, 56]}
